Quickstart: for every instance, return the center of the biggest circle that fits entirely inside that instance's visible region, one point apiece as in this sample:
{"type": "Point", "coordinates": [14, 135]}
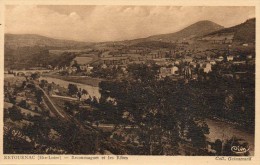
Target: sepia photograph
{"type": "Point", "coordinates": [143, 80]}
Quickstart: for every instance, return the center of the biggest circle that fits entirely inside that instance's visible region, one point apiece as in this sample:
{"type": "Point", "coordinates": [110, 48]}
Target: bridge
{"type": "Point", "coordinates": [29, 72]}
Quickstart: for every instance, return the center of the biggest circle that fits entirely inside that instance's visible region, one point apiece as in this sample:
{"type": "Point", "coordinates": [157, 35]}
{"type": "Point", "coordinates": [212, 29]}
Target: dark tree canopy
{"type": "Point", "coordinates": [72, 89]}
{"type": "Point", "coordinates": [15, 113]}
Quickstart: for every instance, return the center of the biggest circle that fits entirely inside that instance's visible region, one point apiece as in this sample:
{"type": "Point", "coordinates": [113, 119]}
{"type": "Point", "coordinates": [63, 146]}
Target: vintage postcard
{"type": "Point", "coordinates": [121, 82]}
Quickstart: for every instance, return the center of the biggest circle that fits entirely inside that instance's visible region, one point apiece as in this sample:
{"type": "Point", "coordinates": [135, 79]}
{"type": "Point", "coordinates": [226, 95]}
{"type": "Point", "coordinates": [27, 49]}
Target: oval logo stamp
{"type": "Point", "coordinates": [240, 149]}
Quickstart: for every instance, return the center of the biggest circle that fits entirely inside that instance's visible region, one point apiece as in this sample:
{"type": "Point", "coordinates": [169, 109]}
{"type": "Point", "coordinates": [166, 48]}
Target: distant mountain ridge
{"type": "Point", "coordinates": [23, 40]}
{"type": "Point", "coordinates": [244, 32]}
{"type": "Point", "coordinates": [195, 30]}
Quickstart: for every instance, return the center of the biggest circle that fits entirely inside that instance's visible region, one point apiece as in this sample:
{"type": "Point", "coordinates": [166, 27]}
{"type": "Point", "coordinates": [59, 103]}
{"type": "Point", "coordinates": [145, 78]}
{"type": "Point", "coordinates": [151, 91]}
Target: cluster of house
{"type": "Point", "coordinates": [181, 69]}
{"type": "Point", "coordinates": [168, 59]}
{"type": "Point", "coordinates": [73, 69]}
{"type": "Point", "coordinates": [189, 67]}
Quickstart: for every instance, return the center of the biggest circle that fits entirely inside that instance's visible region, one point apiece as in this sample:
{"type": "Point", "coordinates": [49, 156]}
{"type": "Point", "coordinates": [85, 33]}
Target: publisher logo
{"type": "Point", "coordinates": [239, 149]}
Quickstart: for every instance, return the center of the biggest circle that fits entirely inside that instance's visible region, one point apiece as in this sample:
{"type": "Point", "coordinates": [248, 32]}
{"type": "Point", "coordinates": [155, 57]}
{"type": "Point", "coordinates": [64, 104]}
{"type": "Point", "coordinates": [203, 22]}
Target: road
{"type": "Point", "coordinates": [63, 115]}
{"type": "Point", "coordinates": [111, 126]}
{"type": "Point", "coordinates": [51, 105]}
{"type": "Point", "coordinates": [64, 97]}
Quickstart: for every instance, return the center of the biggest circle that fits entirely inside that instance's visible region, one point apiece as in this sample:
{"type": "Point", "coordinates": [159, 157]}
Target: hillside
{"type": "Point", "coordinates": [195, 30]}
{"type": "Point", "coordinates": [24, 40]}
{"type": "Point", "coordinates": [244, 32]}
{"type": "Point", "coordinates": [34, 56]}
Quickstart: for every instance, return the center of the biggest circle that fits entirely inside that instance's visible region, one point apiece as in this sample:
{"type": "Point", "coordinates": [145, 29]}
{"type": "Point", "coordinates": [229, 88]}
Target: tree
{"type": "Point", "coordinates": [143, 72]}
{"type": "Point", "coordinates": [36, 109]}
{"type": "Point", "coordinates": [79, 95]}
{"type": "Point", "coordinates": [15, 113]}
{"type": "Point", "coordinates": [24, 104]}
{"type": "Point", "coordinates": [163, 111]}
{"type": "Point", "coordinates": [39, 94]}
{"type": "Point", "coordinates": [35, 76]}
{"type": "Point", "coordinates": [197, 134]}
{"type": "Point", "coordinates": [72, 89]}
{"type": "Point", "coordinates": [31, 86]}
{"type": "Point", "coordinates": [84, 92]}
{"type": "Point", "coordinates": [73, 139]}
{"type": "Point", "coordinates": [49, 88]}
{"type": "Point", "coordinates": [75, 64]}
{"type": "Point", "coordinates": [23, 85]}
{"type": "Point", "coordinates": [70, 107]}
{"type": "Point", "coordinates": [6, 115]}
{"type": "Point", "coordinates": [217, 146]}
{"type": "Point", "coordinates": [14, 144]}
{"type": "Point", "coordinates": [64, 73]}
{"type": "Point", "coordinates": [43, 83]}
{"type": "Point", "coordinates": [12, 99]}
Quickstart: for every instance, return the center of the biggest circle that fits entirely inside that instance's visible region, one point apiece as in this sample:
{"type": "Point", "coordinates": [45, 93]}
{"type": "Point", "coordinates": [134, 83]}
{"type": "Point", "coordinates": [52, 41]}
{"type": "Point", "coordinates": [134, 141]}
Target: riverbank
{"type": "Point", "coordinates": [224, 131]}
{"type": "Point", "coordinates": [238, 125]}
{"type": "Point", "coordinates": [78, 79]}
{"type": "Point", "coordinates": [92, 90]}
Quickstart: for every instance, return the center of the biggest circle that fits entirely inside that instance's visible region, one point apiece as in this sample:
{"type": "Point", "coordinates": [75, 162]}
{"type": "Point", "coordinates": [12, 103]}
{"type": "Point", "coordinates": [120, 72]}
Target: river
{"type": "Point", "coordinates": [225, 131]}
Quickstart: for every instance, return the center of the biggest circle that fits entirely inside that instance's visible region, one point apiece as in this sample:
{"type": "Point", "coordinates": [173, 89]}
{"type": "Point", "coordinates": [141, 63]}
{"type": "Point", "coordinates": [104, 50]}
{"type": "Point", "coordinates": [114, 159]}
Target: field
{"type": "Point", "coordinates": [83, 60]}
{"type": "Point", "coordinates": [79, 79]}
{"type": "Point", "coordinates": [83, 80]}
{"type": "Point", "coordinates": [60, 51]}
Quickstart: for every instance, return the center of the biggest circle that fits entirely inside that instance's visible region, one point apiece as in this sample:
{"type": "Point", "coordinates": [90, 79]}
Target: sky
{"type": "Point", "coordinates": [114, 23]}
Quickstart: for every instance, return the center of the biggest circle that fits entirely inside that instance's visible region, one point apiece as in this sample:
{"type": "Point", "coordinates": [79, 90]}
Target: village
{"type": "Point", "coordinates": [173, 63]}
